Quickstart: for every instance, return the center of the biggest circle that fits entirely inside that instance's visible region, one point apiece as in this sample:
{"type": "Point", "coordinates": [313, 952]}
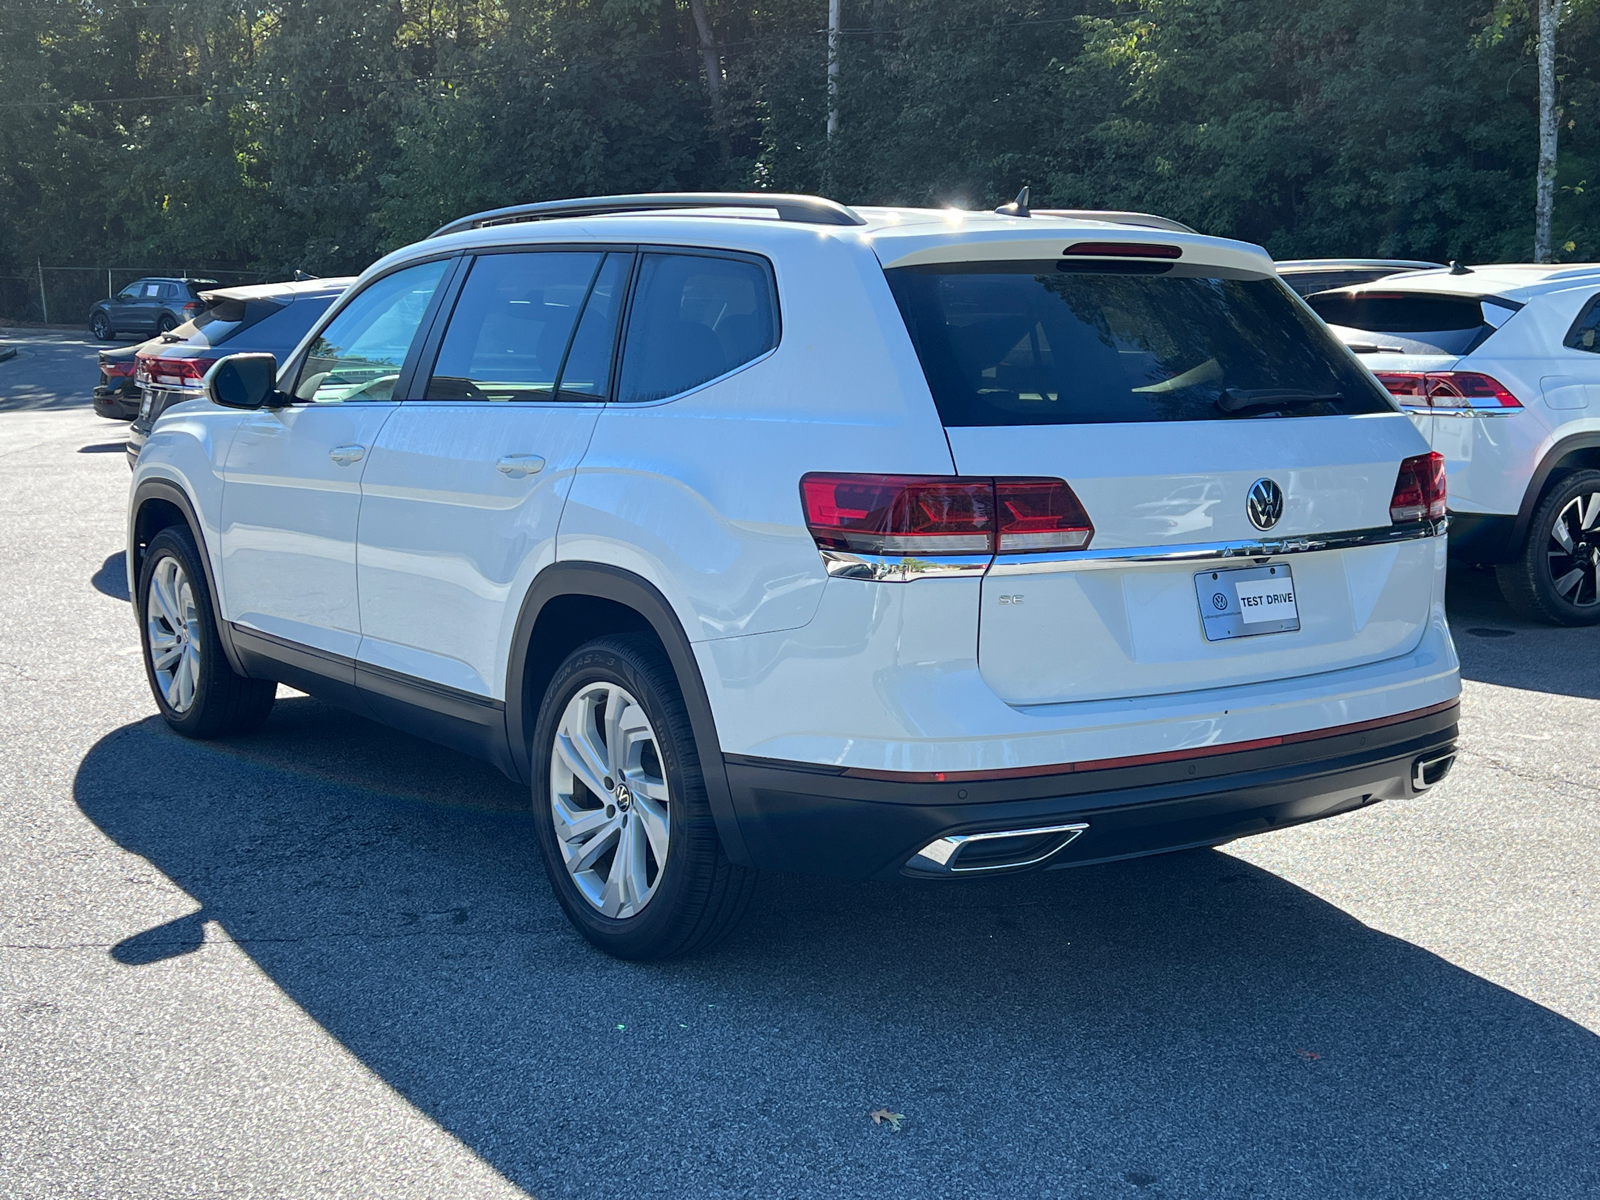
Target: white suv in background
{"type": "Point", "coordinates": [757, 532]}
{"type": "Point", "coordinates": [1500, 368]}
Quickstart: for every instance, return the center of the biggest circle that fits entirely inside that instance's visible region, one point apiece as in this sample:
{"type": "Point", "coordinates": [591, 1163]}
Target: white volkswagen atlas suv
{"type": "Point", "coordinates": [1500, 368]}
{"type": "Point", "coordinates": [752, 531]}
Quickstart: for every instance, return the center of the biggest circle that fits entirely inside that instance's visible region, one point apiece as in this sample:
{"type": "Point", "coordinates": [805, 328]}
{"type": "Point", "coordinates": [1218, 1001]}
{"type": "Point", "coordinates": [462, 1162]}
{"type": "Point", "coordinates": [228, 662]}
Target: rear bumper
{"type": "Point", "coordinates": [115, 404]}
{"type": "Point", "coordinates": [860, 825]}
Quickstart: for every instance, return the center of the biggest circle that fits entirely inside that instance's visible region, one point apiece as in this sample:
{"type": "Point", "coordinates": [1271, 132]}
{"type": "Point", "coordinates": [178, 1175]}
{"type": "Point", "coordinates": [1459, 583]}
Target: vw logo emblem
{"type": "Point", "coordinates": [1219, 601]}
{"type": "Point", "coordinates": [1265, 504]}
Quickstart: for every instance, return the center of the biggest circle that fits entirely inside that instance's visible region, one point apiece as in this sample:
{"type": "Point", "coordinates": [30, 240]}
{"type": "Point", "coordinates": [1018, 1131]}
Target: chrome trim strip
{"type": "Point", "coordinates": [886, 568]}
{"type": "Point", "coordinates": [1201, 552]}
{"type": "Point", "coordinates": [1423, 410]}
{"type": "Point", "coordinates": [939, 856]}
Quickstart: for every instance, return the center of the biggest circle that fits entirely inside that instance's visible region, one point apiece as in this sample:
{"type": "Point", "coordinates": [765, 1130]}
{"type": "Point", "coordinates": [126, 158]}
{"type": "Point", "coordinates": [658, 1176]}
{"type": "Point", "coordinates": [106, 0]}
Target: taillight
{"type": "Point", "coordinates": [173, 372]}
{"type": "Point", "coordinates": [116, 368]}
{"type": "Point", "coordinates": [1449, 389]}
{"type": "Point", "coordinates": [1419, 489]}
{"type": "Point", "coordinates": [932, 514]}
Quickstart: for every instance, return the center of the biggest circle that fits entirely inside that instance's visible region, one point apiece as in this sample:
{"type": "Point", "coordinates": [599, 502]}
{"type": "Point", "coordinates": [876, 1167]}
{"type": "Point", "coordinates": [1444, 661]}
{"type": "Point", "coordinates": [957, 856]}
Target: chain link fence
{"type": "Point", "coordinates": [64, 295]}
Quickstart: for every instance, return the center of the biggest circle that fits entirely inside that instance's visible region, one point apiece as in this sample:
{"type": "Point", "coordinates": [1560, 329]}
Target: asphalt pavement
{"type": "Point", "coordinates": [323, 961]}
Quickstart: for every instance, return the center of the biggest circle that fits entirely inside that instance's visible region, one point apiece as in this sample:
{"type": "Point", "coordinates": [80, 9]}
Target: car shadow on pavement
{"type": "Point", "coordinates": [1497, 646]}
{"type": "Point", "coordinates": [112, 577]}
{"type": "Point", "coordinates": [1185, 1025]}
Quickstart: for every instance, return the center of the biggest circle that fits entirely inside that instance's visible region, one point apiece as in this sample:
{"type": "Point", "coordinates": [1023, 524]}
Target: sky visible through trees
{"type": "Point", "coordinates": [315, 134]}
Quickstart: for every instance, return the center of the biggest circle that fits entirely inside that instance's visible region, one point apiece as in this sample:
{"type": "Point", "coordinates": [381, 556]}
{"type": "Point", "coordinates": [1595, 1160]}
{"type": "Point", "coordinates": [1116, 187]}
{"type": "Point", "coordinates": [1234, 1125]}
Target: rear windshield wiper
{"type": "Point", "coordinates": [1238, 399]}
{"type": "Point", "coordinates": [1373, 348]}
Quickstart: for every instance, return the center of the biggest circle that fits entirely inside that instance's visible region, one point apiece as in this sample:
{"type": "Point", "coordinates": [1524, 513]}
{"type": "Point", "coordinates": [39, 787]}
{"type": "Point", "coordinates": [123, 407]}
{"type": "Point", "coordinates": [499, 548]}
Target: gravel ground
{"type": "Point", "coordinates": [323, 961]}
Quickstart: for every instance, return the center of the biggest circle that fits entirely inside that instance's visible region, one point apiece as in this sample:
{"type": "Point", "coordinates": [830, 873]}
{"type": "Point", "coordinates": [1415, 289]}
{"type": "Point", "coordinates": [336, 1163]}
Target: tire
{"type": "Point", "coordinates": [591, 835]}
{"type": "Point", "coordinates": [1556, 578]}
{"type": "Point", "coordinates": [194, 687]}
{"type": "Point", "coordinates": [100, 326]}
{"type": "Point", "coordinates": [166, 324]}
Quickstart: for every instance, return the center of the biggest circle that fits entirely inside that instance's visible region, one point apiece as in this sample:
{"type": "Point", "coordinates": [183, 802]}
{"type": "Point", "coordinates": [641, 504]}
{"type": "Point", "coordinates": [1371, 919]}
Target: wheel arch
{"type": "Point", "coordinates": [1578, 452]}
{"type": "Point", "coordinates": [162, 504]}
{"type": "Point", "coordinates": [572, 603]}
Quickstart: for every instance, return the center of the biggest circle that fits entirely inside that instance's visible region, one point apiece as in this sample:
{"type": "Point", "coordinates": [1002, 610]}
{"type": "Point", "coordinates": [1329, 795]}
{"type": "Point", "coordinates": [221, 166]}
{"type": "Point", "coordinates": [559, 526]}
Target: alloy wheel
{"type": "Point", "coordinates": [1573, 555]}
{"type": "Point", "coordinates": [172, 624]}
{"type": "Point", "coordinates": [609, 799]}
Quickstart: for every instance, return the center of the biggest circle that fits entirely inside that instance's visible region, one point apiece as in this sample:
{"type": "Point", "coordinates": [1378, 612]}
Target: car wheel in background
{"type": "Point", "coordinates": [100, 326]}
{"type": "Point", "coordinates": [624, 824]}
{"type": "Point", "coordinates": [166, 324]}
{"type": "Point", "coordinates": [198, 693]}
{"type": "Point", "coordinates": [1557, 577]}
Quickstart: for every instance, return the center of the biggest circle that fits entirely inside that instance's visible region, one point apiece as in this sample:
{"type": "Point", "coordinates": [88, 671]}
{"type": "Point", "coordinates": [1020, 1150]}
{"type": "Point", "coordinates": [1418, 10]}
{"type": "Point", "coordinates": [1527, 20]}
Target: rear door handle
{"type": "Point", "coordinates": [345, 455]}
{"type": "Point", "coordinates": [520, 466]}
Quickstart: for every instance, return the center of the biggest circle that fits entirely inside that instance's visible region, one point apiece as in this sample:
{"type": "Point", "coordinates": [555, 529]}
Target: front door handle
{"type": "Point", "coordinates": [345, 455]}
{"type": "Point", "coordinates": [520, 466]}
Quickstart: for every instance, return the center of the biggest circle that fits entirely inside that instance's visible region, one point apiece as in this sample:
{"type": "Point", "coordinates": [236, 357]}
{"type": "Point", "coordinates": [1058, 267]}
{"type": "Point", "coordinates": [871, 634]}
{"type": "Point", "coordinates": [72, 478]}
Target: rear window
{"type": "Point", "coordinates": [1411, 323]}
{"type": "Point", "coordinates": [277, 328]}
{"type": "Point", "coordinates": [225, 318]}
{"type": "Point", "coordinates": [1047, 343]}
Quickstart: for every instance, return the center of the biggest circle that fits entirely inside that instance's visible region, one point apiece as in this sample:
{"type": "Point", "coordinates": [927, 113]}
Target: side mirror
{"type": "Point", "coordinates": [243, 381]}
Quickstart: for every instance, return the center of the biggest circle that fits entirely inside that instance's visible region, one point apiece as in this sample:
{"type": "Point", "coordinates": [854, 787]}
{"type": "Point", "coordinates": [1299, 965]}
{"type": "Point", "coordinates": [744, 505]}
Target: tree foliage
{"type": "Point", "coordinates": [315, 134]}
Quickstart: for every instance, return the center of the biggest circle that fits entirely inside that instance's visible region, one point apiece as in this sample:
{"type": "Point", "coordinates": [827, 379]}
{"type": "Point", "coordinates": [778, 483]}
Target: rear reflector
{"type": "Point", "coordinates": [173, 372]}
{"type": "Point", "coordinates": [1449, 389]}
{"type": "Point", "coordinates": [1124, 250]}
{"type": "Point", "coordinates": [937, 514]}
{"type": "Point", "coordinates": [1419, 490]}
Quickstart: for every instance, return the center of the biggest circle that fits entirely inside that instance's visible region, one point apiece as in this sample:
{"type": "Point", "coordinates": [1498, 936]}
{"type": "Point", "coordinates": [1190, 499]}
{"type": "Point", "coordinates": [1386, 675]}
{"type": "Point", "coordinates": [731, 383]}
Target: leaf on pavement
{"type": "Point", "coordinates": [883, 1114]}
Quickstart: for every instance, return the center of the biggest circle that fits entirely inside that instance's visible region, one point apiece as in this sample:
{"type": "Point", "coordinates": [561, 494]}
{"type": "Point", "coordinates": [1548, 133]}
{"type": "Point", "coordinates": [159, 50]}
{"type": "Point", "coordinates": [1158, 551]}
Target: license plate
{"type": "Point", "coordinates": [1245, 601]}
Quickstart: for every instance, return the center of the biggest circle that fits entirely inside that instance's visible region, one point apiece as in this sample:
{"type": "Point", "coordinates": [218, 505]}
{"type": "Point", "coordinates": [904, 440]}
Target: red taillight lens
{"type": "Point", "coordinates": [1040, 514]}
{"type": "Point", "coordinates": [1449, 389]}
{"type": "Point", "coordinates": [1123, 250]}
{"type": "Point", "coordinates": [923, 514]}
{"type": "Point", "coordinates": [1419, 490]}
{"type": "Point", "coordinates": [116, 368]}
{"type": "Point", "coordinates": [173, 372]}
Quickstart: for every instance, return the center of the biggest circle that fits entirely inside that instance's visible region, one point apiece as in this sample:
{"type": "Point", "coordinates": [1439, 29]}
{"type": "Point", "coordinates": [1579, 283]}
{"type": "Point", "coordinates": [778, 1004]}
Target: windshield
{"type": "Point", "coordinates": [1047, 343]}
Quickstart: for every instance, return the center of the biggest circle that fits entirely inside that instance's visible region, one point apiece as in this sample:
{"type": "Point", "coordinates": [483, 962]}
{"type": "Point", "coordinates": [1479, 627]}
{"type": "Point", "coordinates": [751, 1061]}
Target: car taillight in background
{"type": "Point", "coordinates": [173, 372]}
{"type": "Point", "coordinates": [936, 514]}
{"type": "Point", "coordinates": [1419, 490]}
{"type": "Point", "coordinates": [116, 368]}
{"type": "Point", "coordinates": [1449, 389]}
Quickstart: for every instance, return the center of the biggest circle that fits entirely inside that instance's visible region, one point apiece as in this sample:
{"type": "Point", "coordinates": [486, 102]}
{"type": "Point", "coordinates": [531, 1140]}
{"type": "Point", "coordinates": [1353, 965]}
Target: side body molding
{"type": "Point", "coordinates": [168, 492]}
{"type": "Point", "coordinates": [532, 664]}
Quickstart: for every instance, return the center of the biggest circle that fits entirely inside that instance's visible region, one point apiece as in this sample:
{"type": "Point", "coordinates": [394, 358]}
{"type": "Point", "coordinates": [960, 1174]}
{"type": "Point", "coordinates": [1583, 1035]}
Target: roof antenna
{"type": "Point", "coordinates": [1018, 207]}
{"type": "Point", "coordinates": [1457, 269]}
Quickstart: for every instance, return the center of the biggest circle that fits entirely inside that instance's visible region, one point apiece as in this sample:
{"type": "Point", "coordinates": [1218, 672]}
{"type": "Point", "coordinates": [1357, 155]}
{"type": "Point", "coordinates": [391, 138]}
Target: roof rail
{"type": "Point", "coordinates": [809, 209]}
{"type": "Point", "coordinates": [1144, 220]}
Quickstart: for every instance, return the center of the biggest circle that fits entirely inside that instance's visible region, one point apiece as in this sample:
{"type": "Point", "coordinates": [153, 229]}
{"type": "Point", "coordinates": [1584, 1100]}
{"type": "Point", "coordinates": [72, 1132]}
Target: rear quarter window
{"type": "Point", "coordinates": [1048, 343]}
{"type": "Point", "coordinates": [1413, 323]}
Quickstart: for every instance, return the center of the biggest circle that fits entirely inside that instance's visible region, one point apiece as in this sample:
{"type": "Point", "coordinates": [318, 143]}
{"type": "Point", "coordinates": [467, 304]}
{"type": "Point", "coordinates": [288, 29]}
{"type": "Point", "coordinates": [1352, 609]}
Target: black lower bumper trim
{"type": "Point", "coordinates": [811, 819]}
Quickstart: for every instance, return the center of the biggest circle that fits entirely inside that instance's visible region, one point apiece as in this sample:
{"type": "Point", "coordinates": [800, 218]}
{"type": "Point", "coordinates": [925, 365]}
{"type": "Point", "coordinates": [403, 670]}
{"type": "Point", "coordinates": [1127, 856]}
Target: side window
{"type": "Point", "coordinates": [511, 326]}
{"type": "Point", "coordinates": [694, 317]}
{"type": "Point", "coordinates": [359, 355]}
{"type": "Point", "coordinates": [1585, 331]}
{"type": "Point", "coordinates": [131, 292]}
{"type": "Point", "coordinates": [152, 290]}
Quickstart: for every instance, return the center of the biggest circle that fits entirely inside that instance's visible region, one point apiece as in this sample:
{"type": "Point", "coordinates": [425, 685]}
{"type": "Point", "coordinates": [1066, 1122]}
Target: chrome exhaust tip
{"type": "Point", "coordinates": [993, 850]}
{"type": "Point", "coordinates": [1426, 772]}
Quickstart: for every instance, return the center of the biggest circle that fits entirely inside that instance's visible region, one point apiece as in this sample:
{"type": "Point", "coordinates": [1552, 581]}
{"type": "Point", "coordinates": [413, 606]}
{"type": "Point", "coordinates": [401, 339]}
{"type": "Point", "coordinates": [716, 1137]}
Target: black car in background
{"type": "Point", "coordinates": [117, 395]}
{"type": "Point", "coordinates": [269, 317]}
{"type": "Point", "coordinates": [147, 306]}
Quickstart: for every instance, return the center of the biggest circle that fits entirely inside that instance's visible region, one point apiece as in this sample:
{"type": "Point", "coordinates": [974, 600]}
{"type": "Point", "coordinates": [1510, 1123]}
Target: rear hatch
{"type": "Point", "coordinates": [1162, 392]}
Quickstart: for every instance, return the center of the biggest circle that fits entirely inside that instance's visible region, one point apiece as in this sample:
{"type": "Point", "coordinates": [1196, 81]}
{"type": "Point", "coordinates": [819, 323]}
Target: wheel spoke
{"type": "Point", "coordinates": [1570, 580]}
{"type": "Point", "coordinates": [571, 753]}
{"type": "Point", "coordinates": [1587, 513]}
{"type": "Point", "coordinates": [162, 658]}
{"type": "Point", "coordinates": [573, 824]}
{"type": "Point", "coordinates": [614, 896]}
{"type": "Point", "coordinates": [1560, 534]}
{"type": "Point", "coordinates": [654, 819]}
{"type": "Point", "coordinates": [631, 862]}
{"type": "Point", "coordinates": [591, 851]}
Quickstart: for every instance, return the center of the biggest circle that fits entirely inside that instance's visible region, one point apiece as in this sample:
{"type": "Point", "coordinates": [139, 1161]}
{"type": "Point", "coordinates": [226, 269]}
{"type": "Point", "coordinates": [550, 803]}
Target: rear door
{"type": "Point", "coordinates": [465, 486]}
{"type": "Point", "coordinates": [1166, 395]}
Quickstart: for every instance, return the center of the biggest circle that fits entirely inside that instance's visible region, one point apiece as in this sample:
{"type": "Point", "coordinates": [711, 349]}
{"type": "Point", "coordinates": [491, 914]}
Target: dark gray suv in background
{"type": "Point", "coordinates": [147, 306]}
